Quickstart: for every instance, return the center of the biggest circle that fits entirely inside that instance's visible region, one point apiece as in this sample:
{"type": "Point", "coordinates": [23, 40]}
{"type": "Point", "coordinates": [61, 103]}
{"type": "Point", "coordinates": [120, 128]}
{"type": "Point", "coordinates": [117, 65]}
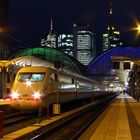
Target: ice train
{"type": "Point", "coordinates": [40, 86]}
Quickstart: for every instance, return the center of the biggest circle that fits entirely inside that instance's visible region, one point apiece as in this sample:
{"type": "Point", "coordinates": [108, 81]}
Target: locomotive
{"type": "Point", "coordinates": [39, 86]}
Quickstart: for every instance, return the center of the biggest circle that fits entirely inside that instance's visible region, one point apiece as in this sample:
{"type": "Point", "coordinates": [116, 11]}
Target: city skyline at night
{"type": "Point", "coordinates": [30, 25]}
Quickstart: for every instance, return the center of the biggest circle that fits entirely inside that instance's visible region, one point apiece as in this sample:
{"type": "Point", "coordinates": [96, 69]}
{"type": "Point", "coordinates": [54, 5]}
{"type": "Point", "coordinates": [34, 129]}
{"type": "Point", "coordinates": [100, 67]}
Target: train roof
{"type": "Point", "coordinates": [64, 71]}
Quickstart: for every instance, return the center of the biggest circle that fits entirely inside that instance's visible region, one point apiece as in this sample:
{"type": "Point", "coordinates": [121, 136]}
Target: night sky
{"type": "Point", "coordinates": [30, 19]}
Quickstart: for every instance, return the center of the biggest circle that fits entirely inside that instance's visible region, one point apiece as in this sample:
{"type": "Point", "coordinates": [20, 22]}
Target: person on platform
{"type": "Point", "coordinates": [124, 91]}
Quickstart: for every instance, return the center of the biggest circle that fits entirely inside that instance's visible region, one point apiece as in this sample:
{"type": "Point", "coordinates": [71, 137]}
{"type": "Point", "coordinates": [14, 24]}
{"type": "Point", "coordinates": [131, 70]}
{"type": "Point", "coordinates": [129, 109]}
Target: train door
{"type": "Point", "coordinates": [52, 83]}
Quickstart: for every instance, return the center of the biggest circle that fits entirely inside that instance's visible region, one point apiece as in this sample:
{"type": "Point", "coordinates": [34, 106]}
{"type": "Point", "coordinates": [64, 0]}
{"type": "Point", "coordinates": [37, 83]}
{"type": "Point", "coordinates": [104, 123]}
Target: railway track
{"type": "Point", "coordinates": [18, 120]}
{"type": "Point", "coordinates": [70, 128]}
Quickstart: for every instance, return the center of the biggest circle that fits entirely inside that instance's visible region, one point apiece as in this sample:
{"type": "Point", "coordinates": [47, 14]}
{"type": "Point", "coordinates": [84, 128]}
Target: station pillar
{"type": "Point", "coordinates": [3, 77]}
{"type": "Point", "coordinates": [1, 124]}
{"type": "Point", "coordinates": [56, 106]}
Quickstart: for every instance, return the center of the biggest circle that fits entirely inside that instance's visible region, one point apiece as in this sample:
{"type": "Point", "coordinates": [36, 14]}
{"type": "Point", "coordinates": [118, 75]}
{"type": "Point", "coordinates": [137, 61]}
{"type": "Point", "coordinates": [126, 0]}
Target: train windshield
{"type": "Point", "coordinates": [33, 77]}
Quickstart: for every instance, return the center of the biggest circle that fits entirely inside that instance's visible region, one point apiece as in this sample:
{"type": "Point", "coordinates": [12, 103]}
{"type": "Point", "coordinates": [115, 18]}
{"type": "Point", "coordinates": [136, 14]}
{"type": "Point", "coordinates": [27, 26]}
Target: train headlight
{"type": "Point", "coordinates": [36, 95]}
{"type": "Point", "coordinates": [14, 95]}
{"type": "Point", "coordinates": [28, 83]}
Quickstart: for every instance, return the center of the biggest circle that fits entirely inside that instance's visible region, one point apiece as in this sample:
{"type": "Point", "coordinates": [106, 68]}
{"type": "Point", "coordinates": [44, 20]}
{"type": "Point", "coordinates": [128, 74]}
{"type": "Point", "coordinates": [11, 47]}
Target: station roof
{"type": "Point", "coordinates": [102, 66]}
{"type": "Point", "coordinates": [44, 56]}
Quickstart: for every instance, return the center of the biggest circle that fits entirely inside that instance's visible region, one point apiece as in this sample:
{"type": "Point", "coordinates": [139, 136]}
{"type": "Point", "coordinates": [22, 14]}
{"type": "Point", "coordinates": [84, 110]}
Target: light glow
{"type": "Point", "coordinates": [14, 95]}
{"type": "Point", "coordinates": [28, 83]}
{"type": "Point", "coordinates": [36, 95]}
{"type": "Point", "coordinates": [111, 85]}
{"type": "Point", "coordinates": [137, 28]}
{"type": "Point", "coordinates": [126, 84]}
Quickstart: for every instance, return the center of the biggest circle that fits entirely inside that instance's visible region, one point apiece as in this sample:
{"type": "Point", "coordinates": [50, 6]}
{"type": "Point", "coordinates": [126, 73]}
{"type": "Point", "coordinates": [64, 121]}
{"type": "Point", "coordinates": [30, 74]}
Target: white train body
{"type": "Point", "coordinates": [41, 86]}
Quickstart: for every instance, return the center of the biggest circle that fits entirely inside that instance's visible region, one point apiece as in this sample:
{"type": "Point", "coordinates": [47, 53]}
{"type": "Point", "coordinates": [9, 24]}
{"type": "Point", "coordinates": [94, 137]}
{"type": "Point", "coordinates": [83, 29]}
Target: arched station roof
{"type": "Point", "coordinates": [103, 65]}
{"type": "Point", "coordinates": [50, 55]}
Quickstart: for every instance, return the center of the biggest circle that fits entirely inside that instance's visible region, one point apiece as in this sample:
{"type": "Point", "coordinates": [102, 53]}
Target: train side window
{"type": "Point", "coordinates": [116, 65]}
{"type": "Point", "coordinates": [126, 65]}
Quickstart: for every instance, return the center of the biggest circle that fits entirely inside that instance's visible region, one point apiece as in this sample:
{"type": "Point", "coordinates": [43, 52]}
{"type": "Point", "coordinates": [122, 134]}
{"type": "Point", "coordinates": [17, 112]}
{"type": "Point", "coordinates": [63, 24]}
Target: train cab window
{"type": "Point", "coordinates": [37, 77]}
{"type": "Point", "coordinates": [33, 77]}
{"type": "Point", "coordinates": [23, 77]}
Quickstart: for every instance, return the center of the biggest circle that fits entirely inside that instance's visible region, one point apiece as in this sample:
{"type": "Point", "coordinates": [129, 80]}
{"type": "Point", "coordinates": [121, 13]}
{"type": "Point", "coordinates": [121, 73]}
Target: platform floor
{"type": "Point", "coordinates": [4, 102]}
{"type": "Point", "coordinates": [120, 121]}
{"type": "Point", "coordinates": [34, 127]}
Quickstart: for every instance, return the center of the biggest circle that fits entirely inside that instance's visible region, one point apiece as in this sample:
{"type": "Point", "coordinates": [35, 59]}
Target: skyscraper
{"type": "Point", "coordinates": [65, 43]}
{"type": "Point", "coordinates": [84, 43]}
{"type": "Point", "coordinates": [50, 40]}
{"type": "Point", "coordinates": [111, 39]}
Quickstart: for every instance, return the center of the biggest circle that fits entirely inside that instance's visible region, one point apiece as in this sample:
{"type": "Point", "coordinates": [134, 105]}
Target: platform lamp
{"type": "Point", "coordinates": [136, 28]}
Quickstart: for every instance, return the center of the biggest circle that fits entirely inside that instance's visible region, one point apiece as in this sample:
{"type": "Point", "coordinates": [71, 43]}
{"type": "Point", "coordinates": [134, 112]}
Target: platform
{"type": "Point", "coordinates": [4, 102]}
{"type": "Point", "coordinates": [34, 127]}
{"type": "Point", "coordinates": [120, 121]}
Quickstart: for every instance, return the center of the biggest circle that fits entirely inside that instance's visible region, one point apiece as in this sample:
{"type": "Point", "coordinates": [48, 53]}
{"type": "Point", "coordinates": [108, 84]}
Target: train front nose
{"type": "Point", "coordinates": [24, 101]}
{"type": "Point", "coordinates": [25, 104]}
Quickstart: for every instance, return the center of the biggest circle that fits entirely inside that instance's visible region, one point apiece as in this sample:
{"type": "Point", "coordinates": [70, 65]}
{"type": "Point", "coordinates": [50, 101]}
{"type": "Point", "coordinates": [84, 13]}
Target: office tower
{"type": "Point", "coordinates": [50, 40]}
{"type": "Point", "coordinates": [111, 39]}
{"type": "Point", "coordinates": [65, 43]}
{"type": "Point", "coordinates": [84, 43]}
